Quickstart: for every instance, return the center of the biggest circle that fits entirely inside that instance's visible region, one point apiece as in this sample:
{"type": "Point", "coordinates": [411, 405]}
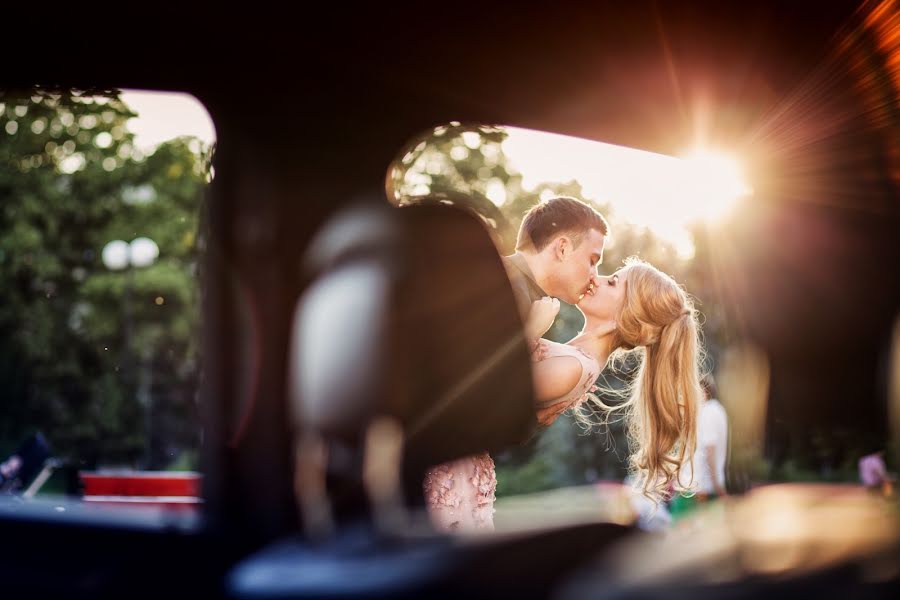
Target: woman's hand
{"type": "Point", "coordinates": [541, 317]}
{"type": "Point", "coordinates": [540, 350]}
{"type": "Point", "coordinates": [546, 415]}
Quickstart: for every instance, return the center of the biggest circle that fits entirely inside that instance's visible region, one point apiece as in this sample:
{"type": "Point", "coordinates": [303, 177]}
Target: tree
{"type": "Point", "coordinates": [71, 181]}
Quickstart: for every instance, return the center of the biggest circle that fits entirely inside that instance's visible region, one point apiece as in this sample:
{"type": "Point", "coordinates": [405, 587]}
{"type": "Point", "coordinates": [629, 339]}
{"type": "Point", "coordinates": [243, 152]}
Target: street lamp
{"type": "Point", "coordinates": [141, 252]}
{"type": "Point", "coordinates": [119, 255]}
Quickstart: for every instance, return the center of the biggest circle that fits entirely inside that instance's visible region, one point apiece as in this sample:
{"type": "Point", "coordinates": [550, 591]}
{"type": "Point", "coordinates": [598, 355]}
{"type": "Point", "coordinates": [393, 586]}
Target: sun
{"type": "Point", "coordinates": [714, 183]}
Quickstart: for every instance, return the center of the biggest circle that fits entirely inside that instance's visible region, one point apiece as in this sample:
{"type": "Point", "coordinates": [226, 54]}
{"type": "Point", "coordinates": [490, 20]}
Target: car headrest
{"type": "Point", "coordinates": [410, 315]}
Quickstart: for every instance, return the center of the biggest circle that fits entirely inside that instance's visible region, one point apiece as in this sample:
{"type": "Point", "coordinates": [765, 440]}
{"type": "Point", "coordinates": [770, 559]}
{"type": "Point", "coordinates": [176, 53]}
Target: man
{"type": "Point", "coordinates": [708, 464]}
{"type": "Point", "coordinates": [558, 250]}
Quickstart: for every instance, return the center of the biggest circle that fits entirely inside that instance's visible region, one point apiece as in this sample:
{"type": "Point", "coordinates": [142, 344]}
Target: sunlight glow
{"type": "Point", "coordinates": [717, 183]}
{"type": "Point", "coordinates": [663, 193]}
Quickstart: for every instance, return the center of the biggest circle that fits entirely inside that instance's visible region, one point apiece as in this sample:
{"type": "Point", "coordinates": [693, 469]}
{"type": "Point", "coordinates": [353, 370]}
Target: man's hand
{"type": "Point", "coordinates": [540, 317]}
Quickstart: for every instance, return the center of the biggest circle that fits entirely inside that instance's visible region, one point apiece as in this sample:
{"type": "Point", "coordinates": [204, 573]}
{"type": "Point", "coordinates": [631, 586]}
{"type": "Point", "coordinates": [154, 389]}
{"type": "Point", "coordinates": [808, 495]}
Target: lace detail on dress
{"type": "Point", "coordinates": [439, 487]}
{"type": "Point", "coordinates": [460, 494]}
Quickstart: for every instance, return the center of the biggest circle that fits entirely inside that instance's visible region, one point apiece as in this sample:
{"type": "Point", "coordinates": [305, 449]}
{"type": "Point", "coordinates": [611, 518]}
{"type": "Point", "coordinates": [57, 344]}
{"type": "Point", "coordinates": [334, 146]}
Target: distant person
{"type": "Point", "coordinates": [9, 471]}
{"type": "Point", "coordinates": [23, 465]}
{"type": "Point", "coordinates": [706, 471]}
{"type": "Point", "coordinates": [649, 515]}
{"type": "Point", "coordinates": [874, 475]}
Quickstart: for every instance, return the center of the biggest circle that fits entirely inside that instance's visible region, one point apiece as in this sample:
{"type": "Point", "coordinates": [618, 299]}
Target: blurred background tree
{"type": "Point", "coordinates": [71, 181]}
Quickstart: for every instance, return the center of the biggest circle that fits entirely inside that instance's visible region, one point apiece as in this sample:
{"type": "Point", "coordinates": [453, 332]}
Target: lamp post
{"type": "Point", "coordinates": [119, 255]}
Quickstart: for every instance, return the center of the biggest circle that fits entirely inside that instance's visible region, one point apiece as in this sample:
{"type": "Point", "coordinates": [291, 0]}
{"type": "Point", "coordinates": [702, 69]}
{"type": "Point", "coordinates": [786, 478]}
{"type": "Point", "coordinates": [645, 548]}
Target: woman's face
{"type": "Point", "coordinates": [608, 297]}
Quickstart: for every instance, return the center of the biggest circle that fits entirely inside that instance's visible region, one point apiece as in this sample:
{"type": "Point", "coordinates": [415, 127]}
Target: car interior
{"type": "Point", "coordinates": [348, 344]}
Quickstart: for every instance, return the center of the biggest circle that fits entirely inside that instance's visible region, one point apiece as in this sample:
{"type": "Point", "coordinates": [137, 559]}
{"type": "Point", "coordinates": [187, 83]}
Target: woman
{"type": "Point", "coordinates": [637, 308]}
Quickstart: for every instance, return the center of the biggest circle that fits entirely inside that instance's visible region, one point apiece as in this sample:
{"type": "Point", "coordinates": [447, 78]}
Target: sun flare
{"type": "Point", "coordinates": [663, 193]}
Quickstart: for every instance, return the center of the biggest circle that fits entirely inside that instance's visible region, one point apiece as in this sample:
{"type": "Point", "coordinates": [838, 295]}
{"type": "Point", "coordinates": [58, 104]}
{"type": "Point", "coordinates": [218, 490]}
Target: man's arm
{"type": "Point", "coordinates": [522, 295]}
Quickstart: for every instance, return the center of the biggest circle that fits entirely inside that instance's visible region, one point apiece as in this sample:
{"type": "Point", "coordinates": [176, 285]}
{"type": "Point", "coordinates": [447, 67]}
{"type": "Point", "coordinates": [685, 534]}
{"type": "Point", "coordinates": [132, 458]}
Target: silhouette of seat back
{"type": "Point", "coordinates": [410, 315]}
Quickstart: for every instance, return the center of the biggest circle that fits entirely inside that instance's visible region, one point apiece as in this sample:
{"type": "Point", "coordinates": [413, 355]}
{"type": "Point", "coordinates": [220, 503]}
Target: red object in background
{"type": "Point", "coordinates": [173, 490]}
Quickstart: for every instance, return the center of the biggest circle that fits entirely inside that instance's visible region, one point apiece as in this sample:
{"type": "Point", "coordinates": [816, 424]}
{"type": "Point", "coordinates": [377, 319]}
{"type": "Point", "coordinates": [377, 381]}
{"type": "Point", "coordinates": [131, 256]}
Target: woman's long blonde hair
{"type": "Point", "coordinates": [658, 318]}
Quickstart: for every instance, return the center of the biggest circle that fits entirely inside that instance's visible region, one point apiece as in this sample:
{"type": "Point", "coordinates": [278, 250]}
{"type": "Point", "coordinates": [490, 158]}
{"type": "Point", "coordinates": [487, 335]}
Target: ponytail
{"type": "Point", "coordinates": [665, 403]}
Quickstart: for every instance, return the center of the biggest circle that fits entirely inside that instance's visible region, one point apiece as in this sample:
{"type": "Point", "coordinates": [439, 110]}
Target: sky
{"type": "Point", "coordinates": [663, 193]}
{"type": "Point", "coordinates": [166, 115]}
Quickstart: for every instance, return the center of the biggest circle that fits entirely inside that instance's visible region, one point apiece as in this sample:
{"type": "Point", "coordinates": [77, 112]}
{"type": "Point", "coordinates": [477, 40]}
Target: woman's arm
{"type": "Point", "coordinates": [555, 377]}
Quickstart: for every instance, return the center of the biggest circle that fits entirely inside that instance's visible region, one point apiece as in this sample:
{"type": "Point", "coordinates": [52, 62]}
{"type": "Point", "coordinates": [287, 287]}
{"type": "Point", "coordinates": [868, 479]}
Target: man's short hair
{"type": "Point", "coordinates": [557, 216]}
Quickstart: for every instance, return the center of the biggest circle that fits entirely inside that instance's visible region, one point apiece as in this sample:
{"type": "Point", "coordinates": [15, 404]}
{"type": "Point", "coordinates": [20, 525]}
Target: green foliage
{"type": "Point", "coordinates": [72, 180]}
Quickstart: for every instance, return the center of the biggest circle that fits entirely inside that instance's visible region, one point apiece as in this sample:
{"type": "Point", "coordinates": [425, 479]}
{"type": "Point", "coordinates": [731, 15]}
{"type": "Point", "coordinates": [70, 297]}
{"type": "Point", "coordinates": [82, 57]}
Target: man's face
{"type": "Point", "coordinates": [576, 273]}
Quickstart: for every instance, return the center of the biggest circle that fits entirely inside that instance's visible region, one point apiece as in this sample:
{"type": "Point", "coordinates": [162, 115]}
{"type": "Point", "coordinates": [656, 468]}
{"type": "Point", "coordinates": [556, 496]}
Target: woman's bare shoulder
{"type": "Point", "coordinates": [556, 376]}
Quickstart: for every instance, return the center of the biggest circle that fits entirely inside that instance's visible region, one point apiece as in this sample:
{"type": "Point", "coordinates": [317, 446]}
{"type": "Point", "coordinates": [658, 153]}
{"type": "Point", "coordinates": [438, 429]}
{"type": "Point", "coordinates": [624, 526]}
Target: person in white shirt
{"type": "Point", "coordinates": [706, 472]}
